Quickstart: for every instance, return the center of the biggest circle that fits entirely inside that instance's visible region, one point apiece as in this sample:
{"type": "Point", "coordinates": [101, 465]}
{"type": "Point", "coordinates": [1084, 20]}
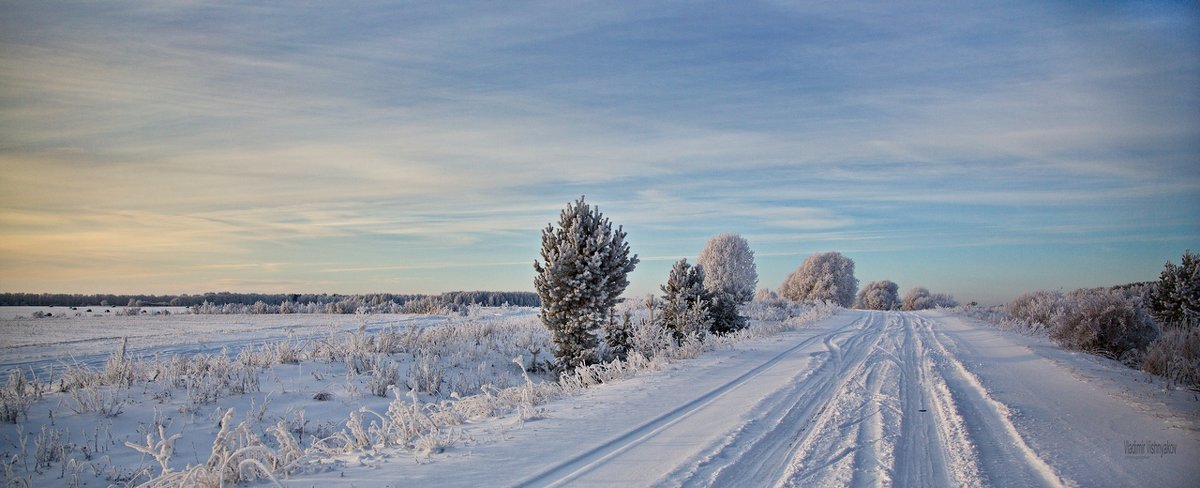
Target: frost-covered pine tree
{"type": "Point", "coordinates": [822, 277]}
{"type": "Point", "coordinates": [1175, 299]}
{"type": "Point", "coordinates": [618, 335]}
{"type": "Point", "coordinates": [685, 303]}
{"type": "Point", "coordinates": [583, 270]}
{"type": "Point", "coordinates": [879, 295]}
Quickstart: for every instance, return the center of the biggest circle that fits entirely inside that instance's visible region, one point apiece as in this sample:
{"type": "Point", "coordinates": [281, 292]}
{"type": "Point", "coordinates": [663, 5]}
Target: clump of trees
{"type": "Point", "coordinates": [583, 270]}
{"type": "Point", "coordinates": [879, 295]}
{"type": "Point", "coordinates": [822, 277]}
{"type": "Point", "coordinates": [730, 276]}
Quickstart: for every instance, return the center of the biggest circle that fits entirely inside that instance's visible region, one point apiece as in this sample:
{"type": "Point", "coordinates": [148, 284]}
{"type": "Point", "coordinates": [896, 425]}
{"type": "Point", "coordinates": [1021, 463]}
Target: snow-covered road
{"type": "Point", "coordinates": [860, 399]}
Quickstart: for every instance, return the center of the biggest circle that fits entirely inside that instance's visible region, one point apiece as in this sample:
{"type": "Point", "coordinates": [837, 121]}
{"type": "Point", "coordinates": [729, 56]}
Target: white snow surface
{"type": "Point", "coordinates": [46, 344]}
{"type": "Point", "coordinates": [862, 398]}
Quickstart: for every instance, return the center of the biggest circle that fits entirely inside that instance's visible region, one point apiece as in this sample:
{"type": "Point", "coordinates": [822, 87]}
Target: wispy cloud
{"type": "Point", "coordinates": [190, 145]}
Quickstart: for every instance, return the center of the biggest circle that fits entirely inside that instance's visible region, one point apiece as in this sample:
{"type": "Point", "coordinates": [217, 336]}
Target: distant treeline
{"type": "Point", "coordinates": [378, 300]}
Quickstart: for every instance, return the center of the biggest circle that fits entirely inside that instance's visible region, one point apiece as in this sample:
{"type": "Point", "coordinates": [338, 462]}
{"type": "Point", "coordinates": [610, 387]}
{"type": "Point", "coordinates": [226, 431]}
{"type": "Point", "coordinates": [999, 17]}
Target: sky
{"type": "Point", "coordinates": [981, 149]}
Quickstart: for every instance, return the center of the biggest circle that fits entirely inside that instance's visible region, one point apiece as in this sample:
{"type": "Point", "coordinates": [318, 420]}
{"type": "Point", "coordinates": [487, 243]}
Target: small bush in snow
{"type": "Point", "coordinates": [17, 396]}
{"type": "Point", "coordinates": [426, 374]}
{"type": "Point", "coordinates": [583, 270]}
{"type": "Point", "coordinates": [822, 277]}
{"type": "Point", "coordinates": [1176, 356]}
{"type": "Point", "coordinates": [1040, 308]}
{"type": "Point", "coordinates": [105, 401]}
{"type": "Point", "coordinates": [879, 295]}
{"type": "Point", "coordinates": [384, 376]}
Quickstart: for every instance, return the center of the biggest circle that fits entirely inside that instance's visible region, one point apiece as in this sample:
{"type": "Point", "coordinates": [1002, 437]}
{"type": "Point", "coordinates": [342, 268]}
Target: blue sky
{"type": "Point", "coordinates": [979, 149]}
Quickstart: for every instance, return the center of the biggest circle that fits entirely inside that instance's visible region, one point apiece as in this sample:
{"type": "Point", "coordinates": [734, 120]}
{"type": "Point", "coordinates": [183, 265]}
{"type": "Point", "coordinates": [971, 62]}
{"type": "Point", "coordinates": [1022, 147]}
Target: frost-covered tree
{"type": "Point", "coordinates": [919, 298]}
{"type": "Point", "coordinates": [879, 295]}
{"type": "Point", "coordinates": [730, 275]}
{"type": "Point", "coordinates": [1175, 300]}
{"type": "Point", "coordinates": [729, 267]}
{"type": "Point", "coordinates": [583, 270]}
{"type": "Point", "coordinates": [685, 302]}
{"type": "Point", "coordinates": [822, 277]}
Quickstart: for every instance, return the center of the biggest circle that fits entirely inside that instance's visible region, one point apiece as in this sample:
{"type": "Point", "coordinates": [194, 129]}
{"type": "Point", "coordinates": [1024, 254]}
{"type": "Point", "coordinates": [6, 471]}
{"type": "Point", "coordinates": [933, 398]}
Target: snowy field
{"type": "Point", "coordinates": [802, 399]}
{"type": "Point", "coordinates": [45, 344]}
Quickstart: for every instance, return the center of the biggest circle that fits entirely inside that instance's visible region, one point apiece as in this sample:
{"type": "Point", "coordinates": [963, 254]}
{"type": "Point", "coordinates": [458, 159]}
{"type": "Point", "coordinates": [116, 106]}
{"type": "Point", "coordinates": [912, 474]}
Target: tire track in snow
{"type": "Point", "coordinates": [758, 453]}
{"type": "Point", "coordinates": [578, 465]}
{"type": "Point", "coordinates": [840, 448]}
{"type": "Point", "coordinates": [935, 449]}
{"type": "Point", "coordinates": [1003, 456]}
{"type": "Point", "coordinates": [884, 403]}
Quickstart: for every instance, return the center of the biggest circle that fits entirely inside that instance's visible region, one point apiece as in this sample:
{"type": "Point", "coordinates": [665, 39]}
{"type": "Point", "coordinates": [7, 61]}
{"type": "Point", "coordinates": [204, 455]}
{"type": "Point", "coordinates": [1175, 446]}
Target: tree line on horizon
{"type": "Point", "coordinates": [454, 298]}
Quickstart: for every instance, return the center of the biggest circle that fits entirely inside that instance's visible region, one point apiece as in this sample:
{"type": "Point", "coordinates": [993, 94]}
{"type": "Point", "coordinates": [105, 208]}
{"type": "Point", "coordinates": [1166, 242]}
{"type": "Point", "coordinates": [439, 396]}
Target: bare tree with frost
{"type": "Point", "coordinates": [583, 270]}
{"type": "Point", "coordinates": [729, 267]}
{"type": "Point", "coordinates": [879, 295]}
{"type": "Point", "coordinates": [822, 277]}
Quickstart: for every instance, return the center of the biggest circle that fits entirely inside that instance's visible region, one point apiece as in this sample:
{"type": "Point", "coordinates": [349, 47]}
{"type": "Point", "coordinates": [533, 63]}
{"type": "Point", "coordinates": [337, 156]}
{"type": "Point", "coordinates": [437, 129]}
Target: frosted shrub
{"type": "Point", "coordinates": [17, 396]}
{"type": "Point", "coordinates": [238, 456]}
{"type": "Point", "coordinates": [1039, 309]}
{"type": "Point", "coordinates": [106, 401]}
{"type": "Point", "coordinates": [879, 295]}
{"type": "Point", "coordinates": [426, 373]}
{"type": "Point", "coordinates": [384, 376]}
{"type": "Point", "coordinates": [48, 448]}
{"type": "Point", "coordinates": [1105, 322]}
{"type": "Point", "coordinates": [769, 309]}
{"type": "Point", "coordinates": [119, 368]}
{"type": "Point", "coordinates": [284, 352]}
{"type": "Point", "coordinates": [919, 298]}
{"type": "Point", "coordinates": [411, 425]}
{"type": "Point", "coordinates": [1176, 356]}
{"type": "Point", "coordinates": [161, 450]}
{"type": "Point", "coordinates": [650, 338]}
{"type": "Point", "coordinates": [388, 341]}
